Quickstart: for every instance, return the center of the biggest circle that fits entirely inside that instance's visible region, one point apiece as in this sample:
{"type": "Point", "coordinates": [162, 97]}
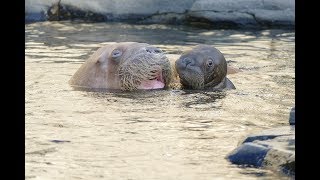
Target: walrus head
{"type": "Point", "coordinates": [125, 66]}
{"type": "Point", "coordinates": [203, 67]}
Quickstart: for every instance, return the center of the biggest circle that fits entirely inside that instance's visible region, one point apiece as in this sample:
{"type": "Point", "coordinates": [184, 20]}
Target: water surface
{"type": "Point", "coordinates": [159, 134]}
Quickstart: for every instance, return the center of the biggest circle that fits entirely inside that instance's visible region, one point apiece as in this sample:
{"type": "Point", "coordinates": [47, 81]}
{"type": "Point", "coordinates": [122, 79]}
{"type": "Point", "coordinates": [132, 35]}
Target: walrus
{"type": "Point", "coordinates": [203, 67]}
{"type": "Point", "coordinates": [125, 66]}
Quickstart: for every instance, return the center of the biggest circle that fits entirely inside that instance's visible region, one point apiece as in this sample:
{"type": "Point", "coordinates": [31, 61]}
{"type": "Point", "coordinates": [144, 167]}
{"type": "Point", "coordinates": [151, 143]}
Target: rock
{"type": "Point", "coordinates": [248, 154]}
{"type": "Point", "coordinates": [230, 18]}
{"type": "Point", "coordinates": [167, 18]}
{"type": "Point", "coordinates": [60, 11]}
{"type": "Point", "coordinates": [124, 8]}
{"type": "Point", "coordinates": [269, 134]}
{"type": "Point", "coordinates": [35, 10]}
{"type": "Point", "coordinates": [241, 13]}
{"type": "Point", "coordinates": [245, 12]}
{"type": "Point", "coordinates": [275, 17]}
{"type": "Point", "coordinates": [292, 118]}
{"type": "Point", "coordinates": [272, 148]}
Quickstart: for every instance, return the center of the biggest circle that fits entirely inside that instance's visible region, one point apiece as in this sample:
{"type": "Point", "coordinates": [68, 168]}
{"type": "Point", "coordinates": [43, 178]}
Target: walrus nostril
{"type": "Point", "coordinates": [157, 51]}
{"type": "Point", "coordinates": [153, 50]}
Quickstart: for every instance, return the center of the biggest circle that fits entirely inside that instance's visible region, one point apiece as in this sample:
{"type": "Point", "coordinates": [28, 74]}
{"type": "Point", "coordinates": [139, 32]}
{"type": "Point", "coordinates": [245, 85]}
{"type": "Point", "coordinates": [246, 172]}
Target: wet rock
{"type": "Point", "coordinates": [36, 10]}
{"type": "Point", "coordinates": [124, 8]}
{"type": "Point", "coordinates": [272, 148]}
{"type": "Point", "coordinates": [292, 117]}
{"type": "Point", "coordinates": [248, 154]}
{"type": "Point", "coordinates": [217, 12]}
{"type": "Point", "coordinates": [245, 12]}
{"type": "Point", "coordinates": [167, 18]}
{"type": "Point", "coordinates": [59, 11]}
{"type": "Point", "coordinates": [223, 18]}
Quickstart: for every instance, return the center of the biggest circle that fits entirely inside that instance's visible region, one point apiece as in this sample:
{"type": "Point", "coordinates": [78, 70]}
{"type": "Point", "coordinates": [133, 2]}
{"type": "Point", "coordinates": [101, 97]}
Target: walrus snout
{"type": "Point", "coordinates": [184, 63]}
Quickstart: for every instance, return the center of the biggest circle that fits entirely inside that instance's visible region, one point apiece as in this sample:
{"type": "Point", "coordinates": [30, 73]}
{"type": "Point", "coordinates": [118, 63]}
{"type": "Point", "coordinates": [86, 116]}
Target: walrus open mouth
{"type": "Point", "coordinates": [156, 82]}
{"type": "Point", "coordinates": [145, 71]}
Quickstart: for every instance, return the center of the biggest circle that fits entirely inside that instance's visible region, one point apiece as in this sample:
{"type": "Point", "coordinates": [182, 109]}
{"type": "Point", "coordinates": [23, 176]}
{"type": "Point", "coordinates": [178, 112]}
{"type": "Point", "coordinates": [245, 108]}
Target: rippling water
{"type": "Point", "coordinates": [159, 134]}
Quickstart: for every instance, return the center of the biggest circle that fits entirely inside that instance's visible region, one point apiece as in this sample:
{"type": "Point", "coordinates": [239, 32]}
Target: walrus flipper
{"type": "Point", "coordinates": [229, 84]}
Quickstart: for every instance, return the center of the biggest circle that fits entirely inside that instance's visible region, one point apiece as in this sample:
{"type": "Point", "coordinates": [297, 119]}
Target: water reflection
{"type": "Point", "coordinates": [198, 98]}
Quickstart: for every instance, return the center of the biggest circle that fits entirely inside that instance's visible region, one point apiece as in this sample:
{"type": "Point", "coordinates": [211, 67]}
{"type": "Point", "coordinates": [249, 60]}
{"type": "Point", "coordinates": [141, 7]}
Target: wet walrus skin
{"type": "Point", "coordinates": [203, 67]}
{"type": "Point", "coordinates": [124, 66]}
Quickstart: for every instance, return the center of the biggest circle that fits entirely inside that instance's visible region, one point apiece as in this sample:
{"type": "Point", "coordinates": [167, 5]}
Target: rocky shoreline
{"type": "Point", "coordinates": [216, 13]}
{"type": "Point", "coordinates": [272, 149]}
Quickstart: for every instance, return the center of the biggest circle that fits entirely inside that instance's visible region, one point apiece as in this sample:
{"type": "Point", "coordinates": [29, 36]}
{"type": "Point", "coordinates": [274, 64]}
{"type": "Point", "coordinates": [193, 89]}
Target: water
{"type": "Point", "coordinates": [159, 134]}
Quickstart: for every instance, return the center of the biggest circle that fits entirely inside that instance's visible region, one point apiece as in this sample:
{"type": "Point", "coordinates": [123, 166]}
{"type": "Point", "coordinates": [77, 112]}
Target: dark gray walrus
{"type": "Point", "coordinates": [125, 66]}
{"type": "Point", "coordinates": [203, 67]}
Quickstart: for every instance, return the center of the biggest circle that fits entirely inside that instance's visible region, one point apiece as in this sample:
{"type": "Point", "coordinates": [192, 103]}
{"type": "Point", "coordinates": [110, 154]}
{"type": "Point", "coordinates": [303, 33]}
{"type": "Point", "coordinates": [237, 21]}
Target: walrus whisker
{"type": "Point", "coordinates": [144, 68]}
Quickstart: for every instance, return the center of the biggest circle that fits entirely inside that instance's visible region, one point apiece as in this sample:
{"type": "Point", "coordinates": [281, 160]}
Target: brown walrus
{"type": "Point", "coordinates": [203, 67]}
{"type": "Point", "coordinates": [125, 66]}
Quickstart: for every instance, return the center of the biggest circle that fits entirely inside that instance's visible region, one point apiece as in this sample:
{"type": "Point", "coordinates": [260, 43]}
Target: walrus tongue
{"type": "Point", "coordinates": [156, 83]}
{"type": "Point", "coordinates": [151, 84]}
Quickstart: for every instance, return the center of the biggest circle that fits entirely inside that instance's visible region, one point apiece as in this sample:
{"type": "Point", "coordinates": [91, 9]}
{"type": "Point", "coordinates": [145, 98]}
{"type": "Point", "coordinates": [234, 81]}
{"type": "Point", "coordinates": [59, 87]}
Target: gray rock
{"type": "Point", "coordinates": [240, 12]}
{"type": "Point", "coordinates": [275, 17]}
{"type": "Point", "coordinates": [224, 17]}
{"type": "Point", "coordinates": [248, 154]}
{"type": "Point", "coordinates": [292, 118]}
{"type": "Point", "coordinates": [269, 134]}
{"type": "Point", "coordinates": [59, 11]}
{"type": "Point", "coordinates": [163, 11]}
{"type": "Point", "coordinates": [245, 12]}
{"type": "Point", "coordinates": [226, 5]}
{"type": "Point", "coordinates": [272, 148]}
{"type": "Point", "coordinates": [35, 10]}
{"type": "Point", "coordinates": [125, 7]}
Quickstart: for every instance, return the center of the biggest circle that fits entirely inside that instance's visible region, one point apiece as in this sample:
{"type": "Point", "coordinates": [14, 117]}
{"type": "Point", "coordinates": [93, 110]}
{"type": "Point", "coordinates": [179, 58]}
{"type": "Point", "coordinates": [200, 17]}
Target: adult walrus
{"type": "Point", "coordinates": [203, 67]}
{"type": "Point", "coordinates": [125, 66]}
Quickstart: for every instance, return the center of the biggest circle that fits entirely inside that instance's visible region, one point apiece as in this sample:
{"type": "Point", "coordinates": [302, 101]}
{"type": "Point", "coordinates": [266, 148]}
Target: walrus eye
{"type": "Point", "coordinates": [116, 53]}
{"type": "Point", "coordinates": [209, 63]}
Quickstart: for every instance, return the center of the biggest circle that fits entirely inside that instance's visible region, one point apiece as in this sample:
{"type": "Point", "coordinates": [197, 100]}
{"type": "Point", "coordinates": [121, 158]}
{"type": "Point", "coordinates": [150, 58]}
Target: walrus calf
{"type": "Point", "coordinates": [203, 67]}
{"type": "Point", "coordinates": [125, 66]}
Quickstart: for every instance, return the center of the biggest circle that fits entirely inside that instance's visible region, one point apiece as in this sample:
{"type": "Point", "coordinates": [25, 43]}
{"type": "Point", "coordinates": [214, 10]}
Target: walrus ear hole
{"type": "Point", "coordinates": [116, 53]}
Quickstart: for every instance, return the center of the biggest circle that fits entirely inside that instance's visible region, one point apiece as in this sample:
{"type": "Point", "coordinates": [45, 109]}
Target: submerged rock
{"type": "Point", "coordinates": [272, 148]}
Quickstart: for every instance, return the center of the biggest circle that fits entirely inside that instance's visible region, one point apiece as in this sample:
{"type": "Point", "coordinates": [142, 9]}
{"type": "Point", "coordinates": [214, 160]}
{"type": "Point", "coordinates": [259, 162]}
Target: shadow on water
{"type": "Point", "coordinates": [192, 97]}
{"type": "Point", "coordinates": [202, 97]}
{"type": "Point", "coordinates": [138, 94]}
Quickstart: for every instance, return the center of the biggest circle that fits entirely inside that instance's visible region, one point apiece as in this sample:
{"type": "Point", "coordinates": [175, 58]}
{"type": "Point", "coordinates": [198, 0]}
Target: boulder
{"type": "Point", "coordinates": [273, 148]}
{"type": "Point", "coordinates": [245, 12]}
{"type": "Point", "coordinates": [241, 13]}
{"type": "Point", "coordinates": [36, 10]}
